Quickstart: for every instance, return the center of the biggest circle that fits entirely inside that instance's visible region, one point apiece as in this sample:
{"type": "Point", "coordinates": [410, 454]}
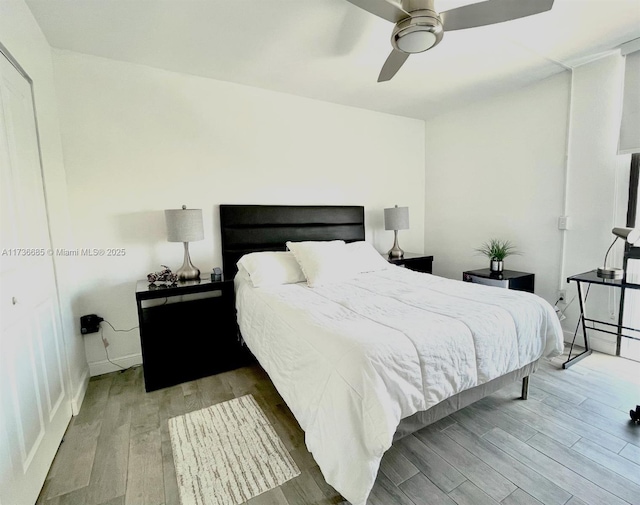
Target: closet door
{"type": "Point", "coordinates": [34, 405]}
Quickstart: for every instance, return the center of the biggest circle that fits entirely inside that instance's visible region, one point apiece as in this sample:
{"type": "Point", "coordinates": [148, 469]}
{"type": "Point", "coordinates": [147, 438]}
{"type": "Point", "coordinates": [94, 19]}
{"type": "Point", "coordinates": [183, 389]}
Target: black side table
{"type": "Point", "coordinates": [510, 279]}
{"type": "Point", "coordinates": [413, 261]}
{"type": "Point", "coordinates": [185, 338]}
{"type": "Point", "coordinates": [591, 278]}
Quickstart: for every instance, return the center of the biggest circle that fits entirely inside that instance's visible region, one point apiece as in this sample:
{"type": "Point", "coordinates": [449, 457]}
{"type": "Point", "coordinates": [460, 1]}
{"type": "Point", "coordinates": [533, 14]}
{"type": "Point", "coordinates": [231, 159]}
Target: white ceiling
{"type": "Point", "coordinates": [333, 51]}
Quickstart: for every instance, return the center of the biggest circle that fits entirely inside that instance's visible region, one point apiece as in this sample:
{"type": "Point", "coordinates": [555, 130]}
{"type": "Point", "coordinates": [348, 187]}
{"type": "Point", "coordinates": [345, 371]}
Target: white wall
{"type": "Point", "coordinates": [22, 37]}
{"type": "Point", "coordinates": [496, 169]}
{"type": "Point", "coordinates": [598, 182]}
{"type": "Point", "coordinates": [139, 140]}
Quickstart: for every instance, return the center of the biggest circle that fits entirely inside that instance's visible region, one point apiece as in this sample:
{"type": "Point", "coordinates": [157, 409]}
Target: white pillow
{"type": "Point", "coordinates": [366, 258]}
{"type": "Point", "coordinates": [323, 262]}
{"type": "Point", "coordinates": [242, 272]}
{"type": "Point", "coordinates": [271, 268]}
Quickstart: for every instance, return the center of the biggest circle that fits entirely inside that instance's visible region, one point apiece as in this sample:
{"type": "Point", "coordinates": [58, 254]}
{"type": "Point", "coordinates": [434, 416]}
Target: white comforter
{"type": "Point", "coordinates": [354, 358]}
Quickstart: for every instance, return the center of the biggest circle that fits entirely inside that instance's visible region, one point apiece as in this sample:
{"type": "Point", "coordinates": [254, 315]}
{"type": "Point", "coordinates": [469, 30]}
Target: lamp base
{"type": "Point", "coordinates": [610, 273]}
{"type": "Point", "coordinates": [395, 252]}
{"type": "Point", "coordinates": [187, 272]}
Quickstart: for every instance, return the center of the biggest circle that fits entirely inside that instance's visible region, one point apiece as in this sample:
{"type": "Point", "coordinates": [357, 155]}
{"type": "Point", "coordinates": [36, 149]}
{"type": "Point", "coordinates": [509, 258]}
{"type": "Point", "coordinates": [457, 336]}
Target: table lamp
{"type": "Point", "coordinates": [185, 225]}
{"type": "Point", "coordinates": [631, 235]}
{"type": "Point", "coordinates": [396, 218]}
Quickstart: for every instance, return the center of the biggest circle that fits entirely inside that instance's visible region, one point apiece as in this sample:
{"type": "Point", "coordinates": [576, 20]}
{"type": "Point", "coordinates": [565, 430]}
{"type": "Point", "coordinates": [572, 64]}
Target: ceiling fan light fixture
{"type": "Point", "coordinates": [417, 33]}
{"type": "Point", "coordinates": [419, 27]}
{"type": "Point", "coordinates": [416, 42]}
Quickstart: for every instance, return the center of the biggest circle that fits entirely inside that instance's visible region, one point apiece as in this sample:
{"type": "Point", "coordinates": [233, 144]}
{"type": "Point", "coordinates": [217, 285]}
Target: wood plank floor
{"type": "Point", "coordinates": [570, 443]}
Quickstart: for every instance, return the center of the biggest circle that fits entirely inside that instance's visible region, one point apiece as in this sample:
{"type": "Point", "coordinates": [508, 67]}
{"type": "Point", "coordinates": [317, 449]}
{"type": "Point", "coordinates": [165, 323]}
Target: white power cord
{"type": "Point", "coordinates": [106, 344]}
{"type": "Point", "coordinates": [559, 312]}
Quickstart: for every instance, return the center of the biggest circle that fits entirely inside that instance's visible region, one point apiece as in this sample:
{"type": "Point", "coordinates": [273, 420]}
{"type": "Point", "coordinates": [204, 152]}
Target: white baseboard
{"type": "Point", "coordinates": [606, 345]}
{"type": "Point", "coordinates": [78, 398]}
{"type": "Point", "coordinates": [105, 366]}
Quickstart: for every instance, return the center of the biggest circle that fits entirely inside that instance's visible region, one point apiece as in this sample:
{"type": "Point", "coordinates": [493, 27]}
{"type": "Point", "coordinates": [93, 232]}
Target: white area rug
{"type": "Point", "coordinates": [228, 453]}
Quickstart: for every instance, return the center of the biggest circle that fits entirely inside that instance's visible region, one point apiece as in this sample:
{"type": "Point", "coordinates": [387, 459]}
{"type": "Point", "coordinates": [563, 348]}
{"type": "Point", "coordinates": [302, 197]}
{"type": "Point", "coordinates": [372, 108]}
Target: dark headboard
{"type": "Point", "coordinates": [251, 228]}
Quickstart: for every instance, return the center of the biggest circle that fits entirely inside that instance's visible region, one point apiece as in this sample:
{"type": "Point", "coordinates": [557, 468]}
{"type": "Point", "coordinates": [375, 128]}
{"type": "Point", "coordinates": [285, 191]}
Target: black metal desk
{"type": "Point", "coordinates": [591, 277]}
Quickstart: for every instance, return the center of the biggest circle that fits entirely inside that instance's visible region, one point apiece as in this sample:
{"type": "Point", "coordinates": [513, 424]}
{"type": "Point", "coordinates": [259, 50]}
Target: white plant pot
{"type": "Point", "coordinates": [496, 265]}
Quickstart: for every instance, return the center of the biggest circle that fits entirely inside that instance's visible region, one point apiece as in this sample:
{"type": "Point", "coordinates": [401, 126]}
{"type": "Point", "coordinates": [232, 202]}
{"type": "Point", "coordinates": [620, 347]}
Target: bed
{"type": "Point", "coordinates": [367, 358]}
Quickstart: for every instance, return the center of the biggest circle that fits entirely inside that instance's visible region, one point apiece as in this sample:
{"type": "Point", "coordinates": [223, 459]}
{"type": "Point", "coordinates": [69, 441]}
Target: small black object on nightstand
{"type": "Point", "coordinates": [413, 261]}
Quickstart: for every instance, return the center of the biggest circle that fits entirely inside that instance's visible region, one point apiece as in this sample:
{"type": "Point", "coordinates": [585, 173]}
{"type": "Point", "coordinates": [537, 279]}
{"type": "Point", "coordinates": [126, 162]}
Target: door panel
{"type": "Point", "coordinates": [25, 402]}
{"type": "Point", "coordinates": [50, 362]}
{"type": "Point", "coordinates": [34, 404]}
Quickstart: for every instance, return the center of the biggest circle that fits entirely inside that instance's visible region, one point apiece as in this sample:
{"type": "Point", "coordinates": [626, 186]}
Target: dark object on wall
{"type": "Point", "coordinates": [90, 324]}
{"type": "Point", "coordinates": [635, 414]}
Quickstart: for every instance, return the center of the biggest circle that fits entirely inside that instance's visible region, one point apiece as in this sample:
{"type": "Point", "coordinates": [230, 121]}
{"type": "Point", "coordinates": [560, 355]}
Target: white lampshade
{"type": "Point", "coordinates": [631, 235]}
{"type": "Point", "coordinates": [396, 218]}
{"type": "Point", "coordinates": [184, 225]}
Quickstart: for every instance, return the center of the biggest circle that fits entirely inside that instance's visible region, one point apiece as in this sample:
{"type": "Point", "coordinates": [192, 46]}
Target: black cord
{"type": "Point", "coordinates": [567, 305]}
{"type": "Point", "coordinates": [575, 333]}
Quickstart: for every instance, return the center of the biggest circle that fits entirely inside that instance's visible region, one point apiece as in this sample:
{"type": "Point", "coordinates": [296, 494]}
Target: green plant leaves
{"type": "Point", "coordinates": [497, 249]}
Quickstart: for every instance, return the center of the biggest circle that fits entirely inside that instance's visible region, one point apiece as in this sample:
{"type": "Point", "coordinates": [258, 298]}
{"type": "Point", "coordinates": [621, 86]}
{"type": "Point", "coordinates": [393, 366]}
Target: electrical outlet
{"type": "Point", "coordinates": [562, 296]}
{"type": "Point", "coordinates": [90, 324]}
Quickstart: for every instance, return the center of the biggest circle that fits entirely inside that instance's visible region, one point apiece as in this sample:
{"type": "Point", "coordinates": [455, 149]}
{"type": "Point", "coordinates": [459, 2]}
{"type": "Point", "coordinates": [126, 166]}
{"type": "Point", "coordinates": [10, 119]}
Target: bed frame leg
{"type": "Point", "coordinates": [525, 387]}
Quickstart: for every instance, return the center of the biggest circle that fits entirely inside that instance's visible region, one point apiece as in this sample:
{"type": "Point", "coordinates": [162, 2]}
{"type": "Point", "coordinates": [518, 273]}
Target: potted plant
{"type": "Point", "coordinates": [497, 250]}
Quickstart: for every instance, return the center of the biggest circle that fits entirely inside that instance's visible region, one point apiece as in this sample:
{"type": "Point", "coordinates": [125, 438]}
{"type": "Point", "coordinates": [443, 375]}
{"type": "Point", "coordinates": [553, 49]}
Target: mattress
{"type": "Point", "coordinates": [353, 358]}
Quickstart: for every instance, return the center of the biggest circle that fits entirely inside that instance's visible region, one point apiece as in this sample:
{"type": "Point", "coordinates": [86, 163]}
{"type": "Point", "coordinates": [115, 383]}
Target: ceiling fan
{"type": "Point", "coordinates": [419, 27]}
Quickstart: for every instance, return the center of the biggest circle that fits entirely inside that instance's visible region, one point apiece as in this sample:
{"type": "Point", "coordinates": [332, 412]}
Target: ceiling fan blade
{"type": "Point", "coordinates": [386, 10]}
{"type": "Point", "coordinates": [491, 12]}
{"type": "Point", "coordinates": [395, 60]}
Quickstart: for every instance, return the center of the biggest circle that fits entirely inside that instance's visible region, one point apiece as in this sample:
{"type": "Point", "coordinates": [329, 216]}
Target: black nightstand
{"type": "Point", "coordinates": [520, 281]}
{"type": "Point", "coordinates": [413, 261]}
{"type": "Point", "coordinates": [187, 337]}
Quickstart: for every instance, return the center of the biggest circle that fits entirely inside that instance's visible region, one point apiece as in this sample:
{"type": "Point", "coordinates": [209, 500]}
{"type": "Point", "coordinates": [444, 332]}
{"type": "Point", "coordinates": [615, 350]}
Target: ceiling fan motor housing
{"type": "Point", "coordinates": [417, 33]}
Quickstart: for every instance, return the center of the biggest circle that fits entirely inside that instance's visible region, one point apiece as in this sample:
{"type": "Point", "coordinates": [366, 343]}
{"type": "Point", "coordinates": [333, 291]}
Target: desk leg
{"type": "Point", "coordinates": [587, 350]}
